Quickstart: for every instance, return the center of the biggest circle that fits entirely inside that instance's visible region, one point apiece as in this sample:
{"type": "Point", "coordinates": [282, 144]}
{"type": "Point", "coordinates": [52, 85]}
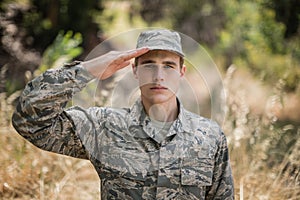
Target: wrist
{"type": "Point", "coordinates": [89, 67]}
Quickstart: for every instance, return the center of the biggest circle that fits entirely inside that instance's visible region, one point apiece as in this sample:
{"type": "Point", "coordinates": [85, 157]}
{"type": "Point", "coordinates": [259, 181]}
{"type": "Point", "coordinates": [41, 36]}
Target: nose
{"type": "Point", "coordinates": [158, 75]}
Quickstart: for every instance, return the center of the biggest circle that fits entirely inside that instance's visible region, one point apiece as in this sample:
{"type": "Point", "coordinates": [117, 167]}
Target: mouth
{"type": "Point", "coordinates": [158, 87]}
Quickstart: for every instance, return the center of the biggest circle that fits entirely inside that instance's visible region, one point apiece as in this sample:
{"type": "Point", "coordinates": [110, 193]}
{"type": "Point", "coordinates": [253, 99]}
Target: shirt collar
{"type": "Point", "coordinates": [138, 117]}
{"type": "Point", "coordinates": [137, 113]}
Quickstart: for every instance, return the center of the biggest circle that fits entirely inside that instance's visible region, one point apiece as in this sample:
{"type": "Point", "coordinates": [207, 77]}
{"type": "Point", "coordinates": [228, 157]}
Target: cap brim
{"type": "Point", "coordinates": [165, 49]}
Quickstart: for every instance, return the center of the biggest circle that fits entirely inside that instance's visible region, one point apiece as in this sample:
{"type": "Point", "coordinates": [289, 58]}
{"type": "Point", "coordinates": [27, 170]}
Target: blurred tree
{"type": "Point", "coordinates": [287, 12]}
{"type": "Point", "coordinates": [253, 38]}
{"type": "Point", "coordinates": [63, 49]}
{"type": "Point", "coordinates": [46, 18]}
{"type": "Point", "coordinates": [151, 12]}
{"type": "Point", "coordinates": [200, 19]}
{"type": "Point", "coordinates": [16, 54]}
{"type": "Point", "coordinates": [262, 35]}
{"type": "Point", "coordinates": [28, 28]}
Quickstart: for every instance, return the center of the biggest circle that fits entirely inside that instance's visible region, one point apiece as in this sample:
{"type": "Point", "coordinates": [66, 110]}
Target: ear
{"type": "Point", "coordinates": [134, 70]}
{"type": "Point", "coordinates": [182, 70]}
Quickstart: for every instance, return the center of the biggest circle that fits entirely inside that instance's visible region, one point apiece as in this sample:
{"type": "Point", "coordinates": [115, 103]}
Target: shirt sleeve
{"type": "Point", "coordinates": [222, 187]}
{"type": "Point", "coordinates": [40, 115]}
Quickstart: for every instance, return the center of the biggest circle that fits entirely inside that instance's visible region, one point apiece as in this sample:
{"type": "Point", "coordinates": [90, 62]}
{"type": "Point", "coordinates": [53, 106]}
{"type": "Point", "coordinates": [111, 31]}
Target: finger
{"type": "Point", "coordinates": [128, 55]}
{"type": "Point", "coordinates": [124, 64]}
{"type": "Point", "coordinates": [139, 50]}
{"type": "Point", "coordinates": [135, 53]}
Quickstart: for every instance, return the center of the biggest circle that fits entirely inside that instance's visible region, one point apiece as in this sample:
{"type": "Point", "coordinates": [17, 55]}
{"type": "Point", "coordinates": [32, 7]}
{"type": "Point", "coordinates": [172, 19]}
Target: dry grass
{"type": "Point", "coordinates": [263, 156]}
{"type": "Point", "coordinates": [29, 173]}
{"type": "Point", "coordinates": [262, 149]}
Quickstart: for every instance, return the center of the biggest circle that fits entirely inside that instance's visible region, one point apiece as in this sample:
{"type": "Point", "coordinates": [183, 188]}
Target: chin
{"type": "Point", "coordinates": [158, 99]}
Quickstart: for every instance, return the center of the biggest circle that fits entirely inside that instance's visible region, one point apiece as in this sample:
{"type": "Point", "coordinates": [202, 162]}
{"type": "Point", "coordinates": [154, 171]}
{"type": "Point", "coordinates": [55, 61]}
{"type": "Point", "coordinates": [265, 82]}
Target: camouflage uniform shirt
{"type": "Point", "coordinates": [191, 163]}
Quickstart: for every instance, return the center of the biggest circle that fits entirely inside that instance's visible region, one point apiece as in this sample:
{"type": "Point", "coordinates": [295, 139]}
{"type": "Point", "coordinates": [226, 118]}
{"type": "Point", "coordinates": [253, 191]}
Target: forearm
{"type": "Point", "coordinates": [40, 117]}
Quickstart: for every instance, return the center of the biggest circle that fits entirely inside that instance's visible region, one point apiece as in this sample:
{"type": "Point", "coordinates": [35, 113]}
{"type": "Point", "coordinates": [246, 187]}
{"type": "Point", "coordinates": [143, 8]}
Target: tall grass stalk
{"type": "Point", "coordinates": [261, 147]}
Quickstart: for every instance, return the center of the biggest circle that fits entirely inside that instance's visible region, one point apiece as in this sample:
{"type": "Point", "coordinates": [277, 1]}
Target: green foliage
{"type": "Point", "coordinates": [64, 48]}
{"type": "Point", "coordinates": [253, 38]}
{"type": "Point", "coordinates": [199, 19]}
{"type": "Point", "coordinates": [44, 19]}
{"type": "Point", "coordinates": [286, 12]}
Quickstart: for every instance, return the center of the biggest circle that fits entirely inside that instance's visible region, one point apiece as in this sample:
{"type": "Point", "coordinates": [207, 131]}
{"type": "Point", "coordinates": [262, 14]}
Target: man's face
{"type": "Point", "coordinates": [158, 73]}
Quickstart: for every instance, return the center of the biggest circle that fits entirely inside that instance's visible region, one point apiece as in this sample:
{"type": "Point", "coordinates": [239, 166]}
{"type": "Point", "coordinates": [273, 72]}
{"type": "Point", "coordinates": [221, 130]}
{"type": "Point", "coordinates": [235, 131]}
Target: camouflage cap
{"type": "Point", "coordinates": [161, 39]}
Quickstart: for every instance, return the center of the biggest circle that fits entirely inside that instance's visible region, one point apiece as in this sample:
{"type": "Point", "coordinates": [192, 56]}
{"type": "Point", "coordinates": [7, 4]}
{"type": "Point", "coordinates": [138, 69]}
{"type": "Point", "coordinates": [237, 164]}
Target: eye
{"type": "Point", "coordinates": [149, 66]}
{"type": "Point", "coordinates": [169, 67]}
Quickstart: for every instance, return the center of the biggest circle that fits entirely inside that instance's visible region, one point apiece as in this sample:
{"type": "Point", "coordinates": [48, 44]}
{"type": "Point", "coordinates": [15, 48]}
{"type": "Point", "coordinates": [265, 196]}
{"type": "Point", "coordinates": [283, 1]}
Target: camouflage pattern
{"type": "Point", "coordinates": [191, 163]}
{"type": "Point", "coordinates": [160, 40]}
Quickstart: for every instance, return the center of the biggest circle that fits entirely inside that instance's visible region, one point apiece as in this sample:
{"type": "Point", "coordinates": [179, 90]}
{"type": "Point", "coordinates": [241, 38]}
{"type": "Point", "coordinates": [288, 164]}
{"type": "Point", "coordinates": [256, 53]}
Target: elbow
{"type": "Point", "coordinates": [17, 119]}
{"type": "Point", "coordinates": [21, 122]}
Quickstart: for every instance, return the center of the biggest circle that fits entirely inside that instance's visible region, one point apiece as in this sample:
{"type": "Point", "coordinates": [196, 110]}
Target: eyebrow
{"type": "Point", "coordinates": [147, 62]}
{"type": "Point", "coordinates": [164, 62]}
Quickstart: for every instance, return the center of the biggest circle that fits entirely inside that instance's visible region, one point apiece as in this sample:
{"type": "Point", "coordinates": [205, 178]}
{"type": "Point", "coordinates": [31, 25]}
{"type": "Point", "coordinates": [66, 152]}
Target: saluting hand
{"type": "Point", "coordinates": [106, 65]}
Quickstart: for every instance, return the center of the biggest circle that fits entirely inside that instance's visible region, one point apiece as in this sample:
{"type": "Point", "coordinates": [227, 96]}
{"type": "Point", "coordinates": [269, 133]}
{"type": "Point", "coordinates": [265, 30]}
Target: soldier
{"type": "Point", "coordinates": [154, 150]}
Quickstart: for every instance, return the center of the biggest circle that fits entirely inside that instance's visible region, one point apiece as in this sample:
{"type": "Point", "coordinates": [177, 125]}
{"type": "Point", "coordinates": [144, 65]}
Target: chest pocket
{"type": "Point", "coordinates": [197, 172]}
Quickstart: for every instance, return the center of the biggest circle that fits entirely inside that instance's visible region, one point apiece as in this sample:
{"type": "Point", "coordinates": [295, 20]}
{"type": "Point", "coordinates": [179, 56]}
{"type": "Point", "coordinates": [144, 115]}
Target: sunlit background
{"type": "Point", "coordinates": [255, 45]}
